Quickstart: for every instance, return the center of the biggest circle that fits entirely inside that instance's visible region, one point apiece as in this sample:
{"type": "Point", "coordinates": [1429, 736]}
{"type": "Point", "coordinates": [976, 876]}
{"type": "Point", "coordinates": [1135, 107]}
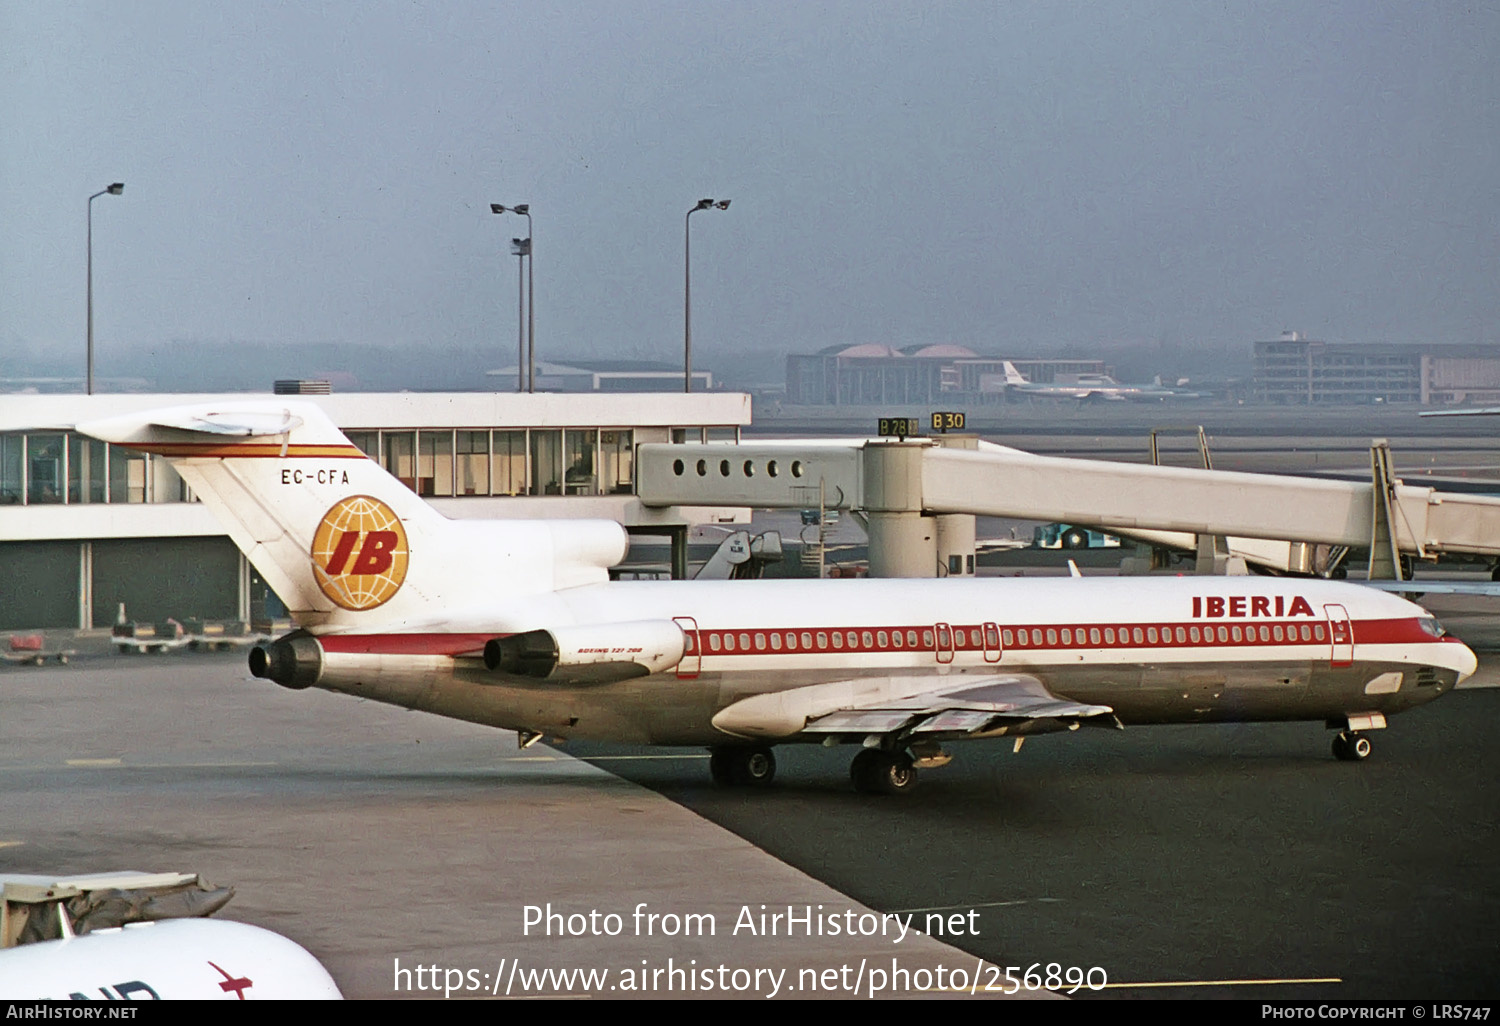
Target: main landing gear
{"type": "Point", "coordinates": [1351, 746]}
{"type": "Point", "coordinates": [742, 765]}
{"type": "Point", "coordinates": [879, 771]}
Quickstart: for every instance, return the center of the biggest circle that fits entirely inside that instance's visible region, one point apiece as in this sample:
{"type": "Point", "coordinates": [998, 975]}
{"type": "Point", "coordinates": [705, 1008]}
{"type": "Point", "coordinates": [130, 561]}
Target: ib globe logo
{"type": "Point", "coordinates": [359, 553]}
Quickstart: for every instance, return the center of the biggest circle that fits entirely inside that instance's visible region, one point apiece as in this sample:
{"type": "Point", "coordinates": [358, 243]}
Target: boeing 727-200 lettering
{"type": "Point", "coordinates": [516, 624]}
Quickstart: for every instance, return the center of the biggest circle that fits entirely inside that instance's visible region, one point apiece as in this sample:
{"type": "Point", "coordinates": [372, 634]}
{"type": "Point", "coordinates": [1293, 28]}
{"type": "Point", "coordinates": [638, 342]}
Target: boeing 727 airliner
{"type": "Point", "coordinates": [515, 624]}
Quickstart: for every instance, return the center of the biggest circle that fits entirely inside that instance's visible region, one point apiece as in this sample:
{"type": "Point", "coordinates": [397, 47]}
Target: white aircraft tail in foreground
{"type": "Point", "coordinates": [129, 936]}
{"type": "Point", "coordinates": [515, 624]}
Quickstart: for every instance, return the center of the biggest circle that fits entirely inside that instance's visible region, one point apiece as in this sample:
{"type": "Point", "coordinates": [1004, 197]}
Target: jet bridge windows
{"type": "Point", "coordinates": [472, 463]}
{"type": "Point", "coordinates": [526, 461]}
{"type": "Point", "coordinates": [434, 463]}
{"type": "Point", "coordinates": [46, 468]}
{"type": "Point", "coordinates": [86, 463]}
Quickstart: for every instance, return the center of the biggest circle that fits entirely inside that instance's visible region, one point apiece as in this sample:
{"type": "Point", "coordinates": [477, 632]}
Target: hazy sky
{"type": "Point", "coordinates": [1010, 176]}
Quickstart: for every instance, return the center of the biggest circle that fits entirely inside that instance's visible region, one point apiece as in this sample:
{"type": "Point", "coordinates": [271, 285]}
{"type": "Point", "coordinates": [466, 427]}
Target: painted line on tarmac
{"type": "Point", "coordinates": [121, 764]}
{"type": "Point", "coordinates": [596, 758]}
{"type": "Point", "coordinates": [984, 904]}
{"type": "Point", "coordinates": [11, 844]}
{"type": "Point", "coordinates": [639, 758]}
{"type": "Point", "coordinates": [1162, 984]}
{"type": "Point", "coordinates": [198, 765]}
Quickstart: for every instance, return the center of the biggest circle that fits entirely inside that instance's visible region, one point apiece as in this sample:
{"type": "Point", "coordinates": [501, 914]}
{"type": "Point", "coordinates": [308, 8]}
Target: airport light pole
{"type": "Point", "coordinates": [519, 248]}
{"type": "Point", "coordinates": [524, 209]}
{"type": "Point", "coordinates": [114, 190]}
{"type": "Point", "coordinates": [687, 287]}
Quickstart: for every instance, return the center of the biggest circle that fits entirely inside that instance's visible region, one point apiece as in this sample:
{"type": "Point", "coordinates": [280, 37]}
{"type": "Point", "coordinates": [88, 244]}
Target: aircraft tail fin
{"type": "Point", "coordinates": [339, 539]}
{"type": "Point", "coordinates": [1013, 376]}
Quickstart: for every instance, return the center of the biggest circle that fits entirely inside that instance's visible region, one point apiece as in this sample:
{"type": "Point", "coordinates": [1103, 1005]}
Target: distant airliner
{"type": "Point", "coordinates": [515, 624]}
{"type": "Point", "coordinates": [1091, 386]}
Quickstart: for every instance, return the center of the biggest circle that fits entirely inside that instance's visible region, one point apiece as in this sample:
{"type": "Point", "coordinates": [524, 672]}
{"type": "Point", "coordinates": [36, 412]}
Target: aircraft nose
{"type": "Point", "coordinates": [1460, 657]}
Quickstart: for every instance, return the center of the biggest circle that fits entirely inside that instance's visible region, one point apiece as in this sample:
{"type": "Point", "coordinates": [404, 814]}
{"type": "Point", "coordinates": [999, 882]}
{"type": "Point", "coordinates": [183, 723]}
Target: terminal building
{"type": "Point", "coordinates": [86, 526]}
{"type": "Point", "coordinates": [591, 375]}
{"type": "Point", "coordinates": [1296, 371]}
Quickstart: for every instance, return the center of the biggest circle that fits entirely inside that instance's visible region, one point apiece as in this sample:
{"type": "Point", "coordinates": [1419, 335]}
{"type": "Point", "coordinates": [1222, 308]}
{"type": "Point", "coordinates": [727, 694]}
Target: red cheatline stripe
{"type": "Point", "coordinates": [1366, 632]}
{"type": "Point", "coordinates": [406, 644]}
{"type": "Point", "coordinates": [251, 450]}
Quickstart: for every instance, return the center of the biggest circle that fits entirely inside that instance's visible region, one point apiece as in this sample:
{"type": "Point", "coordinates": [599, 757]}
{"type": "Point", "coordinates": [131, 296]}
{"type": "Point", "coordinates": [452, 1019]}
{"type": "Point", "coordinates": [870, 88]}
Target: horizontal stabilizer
{"type": "Point", "coordinates": [245, 423]}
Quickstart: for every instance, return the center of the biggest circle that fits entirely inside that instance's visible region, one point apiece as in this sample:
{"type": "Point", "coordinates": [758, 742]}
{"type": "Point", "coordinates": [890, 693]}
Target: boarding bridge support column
{"type": "Point", "coordinates": [955, 531]}
{"type": "Point", "coordinates": [1385, 554]}
{"type": "Point", "coordinates": [955, 544]}
{"type": "Point", "coordinates": [903, 543]}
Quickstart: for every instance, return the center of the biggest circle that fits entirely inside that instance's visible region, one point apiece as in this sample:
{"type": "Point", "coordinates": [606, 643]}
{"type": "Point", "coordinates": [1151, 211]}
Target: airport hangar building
{"type": "Point", "coordinates": [86, 526]}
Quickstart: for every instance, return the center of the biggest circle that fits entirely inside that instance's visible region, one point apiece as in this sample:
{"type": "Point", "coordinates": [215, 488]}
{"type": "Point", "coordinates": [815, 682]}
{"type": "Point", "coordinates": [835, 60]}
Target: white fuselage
{"type": "Point", "coordinates": [1154, 649]}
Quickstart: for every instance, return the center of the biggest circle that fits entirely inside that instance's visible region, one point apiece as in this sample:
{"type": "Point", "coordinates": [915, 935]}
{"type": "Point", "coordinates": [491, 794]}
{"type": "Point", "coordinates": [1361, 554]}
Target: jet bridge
{"type": "Point", "coordinates": [907, 488]}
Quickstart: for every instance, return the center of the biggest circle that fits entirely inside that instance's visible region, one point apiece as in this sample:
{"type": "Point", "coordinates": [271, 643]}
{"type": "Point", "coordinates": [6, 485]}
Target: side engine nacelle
{"type": "Point", "coordinates": [295, 661]}
{"type": "Point", "coordinates": [589, 653]}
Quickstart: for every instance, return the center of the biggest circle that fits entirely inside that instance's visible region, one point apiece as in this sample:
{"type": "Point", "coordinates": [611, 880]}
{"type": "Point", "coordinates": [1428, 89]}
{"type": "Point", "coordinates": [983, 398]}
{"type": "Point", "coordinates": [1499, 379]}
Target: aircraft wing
{"type": "Point", "coordinates": [929, 708]}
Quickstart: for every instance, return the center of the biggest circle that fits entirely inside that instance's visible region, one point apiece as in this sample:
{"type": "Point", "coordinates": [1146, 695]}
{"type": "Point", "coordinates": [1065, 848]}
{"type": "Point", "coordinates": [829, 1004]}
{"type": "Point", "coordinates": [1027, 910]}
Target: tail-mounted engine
{"type": "Point", "coordinates": [589, 653]}
{"type": "Point", "coordinates": [295, 661]}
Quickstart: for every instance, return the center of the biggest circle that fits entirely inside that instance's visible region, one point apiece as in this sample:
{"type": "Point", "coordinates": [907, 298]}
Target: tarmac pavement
{"type": "Point", "coordinates": [408, 852]}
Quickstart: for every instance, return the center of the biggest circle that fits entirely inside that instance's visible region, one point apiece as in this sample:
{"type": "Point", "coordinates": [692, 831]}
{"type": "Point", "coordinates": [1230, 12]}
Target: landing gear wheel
{"type": "Point", "coordinates": [1351, 746]}
{"type": "Point", "coordinates": [875, 771]}
{"type": "Point", "coordinates": [742, 767]}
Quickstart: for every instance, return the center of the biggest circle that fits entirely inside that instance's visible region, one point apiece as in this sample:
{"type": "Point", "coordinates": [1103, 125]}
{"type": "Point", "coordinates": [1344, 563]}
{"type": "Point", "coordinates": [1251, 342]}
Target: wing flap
{"type": "Point", "coordinates": [927, 705]}
{"type": "Point", "coordinates": [875, 721]}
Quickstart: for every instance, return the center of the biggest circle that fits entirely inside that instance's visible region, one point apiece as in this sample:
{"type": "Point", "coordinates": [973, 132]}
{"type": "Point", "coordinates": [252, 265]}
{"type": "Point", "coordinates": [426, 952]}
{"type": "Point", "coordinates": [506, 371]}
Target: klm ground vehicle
{"type": "Point", "coordinates": [1067, 536]}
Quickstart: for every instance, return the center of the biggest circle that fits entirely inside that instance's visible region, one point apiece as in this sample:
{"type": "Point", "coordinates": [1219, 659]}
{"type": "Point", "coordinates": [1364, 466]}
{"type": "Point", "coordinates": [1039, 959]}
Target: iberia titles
{"type": "Point", "coordinates": [1250, 605]}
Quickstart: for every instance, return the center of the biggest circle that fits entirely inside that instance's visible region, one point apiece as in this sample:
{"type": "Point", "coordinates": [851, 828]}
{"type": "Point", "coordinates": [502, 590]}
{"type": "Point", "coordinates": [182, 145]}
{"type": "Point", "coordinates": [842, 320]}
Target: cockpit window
{"type": "Point", "coordinates": [1431, 626]}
